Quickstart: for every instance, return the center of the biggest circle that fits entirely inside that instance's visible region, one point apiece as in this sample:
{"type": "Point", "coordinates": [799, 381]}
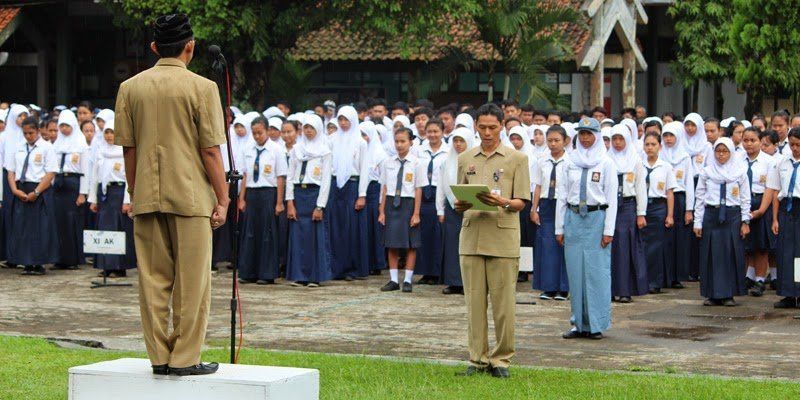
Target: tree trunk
{"type": "Point", "coordinates": [506, 85]}
{"type": "Point", "coordinates": [753, 103]}
{"type": "Point", "coordinates": [695, 95]}
{"type": "Point", "coordinates": [490, 83]}
{"type": "Point", "coordinates": [719, 101]}
{"type": "Point", "coordinates": [775, 100]}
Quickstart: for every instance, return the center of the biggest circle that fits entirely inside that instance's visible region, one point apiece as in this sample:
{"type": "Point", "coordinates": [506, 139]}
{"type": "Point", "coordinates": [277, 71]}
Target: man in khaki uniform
{"type": "Point", "coordinates": [169, 121]}
{"type": "Point", "coordinates": [489, 242]}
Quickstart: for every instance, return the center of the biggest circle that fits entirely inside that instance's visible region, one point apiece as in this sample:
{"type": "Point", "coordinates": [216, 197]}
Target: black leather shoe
{"type": "Point", "coordinates": [375, 272]}
{"type": "Point", "coordinates": [161, 369]}
{"type": "Point", "coordinates": [786, 302]}
{"type": "Point", "coordinates": [677, 285]}
{"type": "Point", "coordinates": [522, 277]}
{"type": "Point", "coordinates": [758, 289]}
{"type": "Point", "coordinates": [199, 369]}
{"type": "Point", "coordinates": [595, 336]}
{"type": "Point", "coordinates": [625, 299]}
{"type": "Point", "coordinates": [500, 372]}
{"type": "Point", "coordinates": [571, 334]}
{"type": "Point", "coordinates": [246, 281]}
{"type": "Point", "coordinates": [406, 287]}
{"type": "Point", "coordinates": [390, 286]}
{"type": "Point", "coordinates": [472, 370]}
{"type": "Point", "coordinates": [654, 291]}
{"type": "Point", "coordinates": [265, 282]}
{"type": "Point", "coordinates": [453, 290]}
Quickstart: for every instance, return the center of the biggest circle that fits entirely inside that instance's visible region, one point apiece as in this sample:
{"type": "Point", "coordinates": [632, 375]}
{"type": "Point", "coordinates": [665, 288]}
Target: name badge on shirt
{"type": "Point", "coordinates": [471, 170]}
{"type": "Point", "coordinates": [735, 191]}
{"type": "Point", "coordinates": [595, 176]}
{"type": "Point", "coordinates": [409, 177]}
{"type": "Point", "coordinates": [762, 179]}
{"type": "Point", "coordinates": [661, 185]}
{"type": "Point", "coordinates": [317, 173]}
{"type": "Point", "coordinates": [698, 159]}
{"type": "Point", "coordinates": [75, 158]}
{"type": "Point", "coordinates": [268, 169]}
{"type": "Point", "coordinates": [679, 174]}
{"type": "Point", "coordinates": [629, 177]}
{"type": "Point", "coordinates": [37, 158]}
{"type": "Point", "coordinates": [117, 167]}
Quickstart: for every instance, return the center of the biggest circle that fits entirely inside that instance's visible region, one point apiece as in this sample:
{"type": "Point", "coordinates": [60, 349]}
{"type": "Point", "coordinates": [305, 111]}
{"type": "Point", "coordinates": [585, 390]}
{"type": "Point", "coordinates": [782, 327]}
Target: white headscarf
{"type": "Point", "coordinates": [648, 119]}
{"type": "Point", "coordinates": [236, 111]}
{"type": "Point", "coordinates": [627, 159]}
{"type": "Point", "coordinates": [306, 149]}
{"type": "Point", "coordinates": [13, 133]}
{"type": "Point", "coordinates": [732, 170]}
{"type": "Point", "coordinates": [527, 147]}
{"type": "Point", "coordinates": [106, 115]}
{"type": "Point", "coordinates": [466, 121]}
{"type": "Point", "coordinates": [107, 153]}
{"type": "Point", "coordinates": [676, 153]}
{"type": "Point", "coordinates": [588, 158]}
{"type": "Point", "coordinates": [699, 142]}
{"type": "Point", "coordinates": [344, 144]}
{"type": "Point", "coordinates": [633, 128]}
{"type": "Point", "coordinates": [76, 141]}
{"type": "Point", "coordinates": [403, 120]}
{"type": "Point", "coordinates": [272, 112]}
{"type": "Point", "coordinates": [387, 139]}
{"type": "Point", "coordinates": [542, 150]}
{"type": "Point", "coordinates": [375, 151]}
{"type": "Point", "coordinates": [450, 165]}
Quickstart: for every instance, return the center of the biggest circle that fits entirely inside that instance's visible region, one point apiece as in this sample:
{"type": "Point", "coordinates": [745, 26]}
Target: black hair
{"type": "Point", "coordinates": [653, 134]}
{"type": "Point", "coordinates": [712, 120]}
{"type": "Point", "coordinates": [557, 129]}
{"type": "Point", "coordinates": [490, 109]}
{"type": "Point", "coordinates": [600, 110]}
{"type": "Point", "coordinates": [173, 49]}
{"type": "Point", "coordinates": [360, 106]}
{"type": "Point", "coordinates": [629, 110]}
{"type": "Point", "coordinates": [510, 103]}
{"type": "Point", "coordinates": [84, 123]}
{"type": "Point", "coordinates": [512, 119]}
{"type": "Point", "coordinates": [781, 114]}
{"type": "Point", "coordinates": [556, 113]}
{"type": "Point", "coordinates": [423, 110]}
{"type": "Point", "coordinates": [435, 121]}
{"type": "Point", "coordinates": [669, 114]}
{"type": "Point", "coordinates": [771, 135]}
{"type": "Point", "coordinates": [652, 123]}
{"type": "Point", "coordinates": [732, 127]}
{"type": "Point", "coordinates": [87, 104]}
{"type": "Point", "coordinates": [423, 103]}
{"type": "Point", "coordinates": [794, 132]}
{"type": "Point", "coordinates": [752, 129]}
{"type": "Point", "coordinates": [30, 121]}
{"type": "Point", "coordinates": [283, 102]}
{"type": "Point", "coordinates": [47, 122]}
{"type": "Point", "coordinates": [406, 131]}
{"type": "Point", "coordinates": [446, 110]}
{"type": "Point", "coordinates": [298, 127]}
{"type": "Point", "coordinates": [376, 102]}
{"type": "Point", "coordinates": [259, 120]}
{"type": "Point", "coordinates": [400, 106]}
{"type": "Point", "coordinates": [527, 108]}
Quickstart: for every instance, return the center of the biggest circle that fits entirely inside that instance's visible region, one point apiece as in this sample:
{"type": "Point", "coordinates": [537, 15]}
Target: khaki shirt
{"type": "Point", "coordinates": [168, 114]}
{"type": "Point", "coordinates": [494, 234]}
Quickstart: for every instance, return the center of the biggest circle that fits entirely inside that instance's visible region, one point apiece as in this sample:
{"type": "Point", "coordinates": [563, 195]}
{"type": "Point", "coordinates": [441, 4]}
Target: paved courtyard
{"type": "Point", "coordinates": [668, 332]}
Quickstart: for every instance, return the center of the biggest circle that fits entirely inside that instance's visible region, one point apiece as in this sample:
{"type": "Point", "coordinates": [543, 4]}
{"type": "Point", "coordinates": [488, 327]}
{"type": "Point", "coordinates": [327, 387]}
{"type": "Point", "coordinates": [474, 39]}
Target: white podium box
{"type": "Point", "coordinates": [133, 378]}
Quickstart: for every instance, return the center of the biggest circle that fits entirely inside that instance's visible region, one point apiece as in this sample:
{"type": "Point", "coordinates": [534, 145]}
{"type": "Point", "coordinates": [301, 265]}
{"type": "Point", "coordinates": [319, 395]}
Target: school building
{"type": "Point", "coordinates": [59, 52]}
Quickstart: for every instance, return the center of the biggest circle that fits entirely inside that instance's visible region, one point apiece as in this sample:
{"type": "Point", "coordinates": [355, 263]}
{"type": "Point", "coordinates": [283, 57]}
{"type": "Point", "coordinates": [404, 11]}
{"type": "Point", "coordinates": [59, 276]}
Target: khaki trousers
{"type": "Point", "coordinates": [497, 278]}
{"type": "Point", "coordinates": [174, 260]}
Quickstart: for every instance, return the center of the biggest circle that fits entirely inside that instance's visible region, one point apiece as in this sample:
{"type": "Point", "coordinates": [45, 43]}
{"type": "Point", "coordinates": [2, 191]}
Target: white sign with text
{"type": "Point", "coordinates": [104, 242]}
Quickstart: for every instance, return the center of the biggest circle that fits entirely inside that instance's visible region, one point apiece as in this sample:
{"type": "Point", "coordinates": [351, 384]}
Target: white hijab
{"type": "Point", "coordinates": [588, 158]}
{"type": "Point", "coordinates": [13, 133]}
{"type": "Point", "coordinates": [729, 172]}
{"type": "Point", "coordinates": [306, 149]}
{"type": "Point", "coordinates": [76, 141]}
{"type": "Point", "coordinates": [272, 112]}
{"type": "Point", "coordinates": [375, 151]}
{"type": "Point", "coordinates": [450, 165]}
{"type": "Point", "coordinates": [466, 121]}
{"type": "Point", "coordinates": [627, 159]}
{"type": "Point", "coordinates": [539, 151]}
{"type": "Point", "coordinates": [403, 120]}
{"type": "Point", "coordinates": [676, 153]}
{"type": "Point", "coordinates": [527, 147]}
{"type": "Point", "coordinates": [633, 128]}
{"type": "Point", "coordinates": [657, 119]}
{"type": "Point", "coordinates": [107, 153]}
{"type": "Point", "coordinates": [699, 142]}
{"type": "Point", "coordinates": [344, 144]}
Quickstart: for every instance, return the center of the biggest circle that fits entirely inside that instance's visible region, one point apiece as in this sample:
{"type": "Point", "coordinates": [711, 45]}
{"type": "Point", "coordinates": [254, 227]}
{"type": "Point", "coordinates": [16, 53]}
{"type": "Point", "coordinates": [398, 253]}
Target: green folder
{"type": "Point", "coordinates": [469, 194]}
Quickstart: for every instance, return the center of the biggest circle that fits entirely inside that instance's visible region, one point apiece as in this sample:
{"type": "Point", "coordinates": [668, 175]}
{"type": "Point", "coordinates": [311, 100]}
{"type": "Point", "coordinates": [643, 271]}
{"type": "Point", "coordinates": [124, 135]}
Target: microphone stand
{"type": "Point", "coordinates": [220, 67]}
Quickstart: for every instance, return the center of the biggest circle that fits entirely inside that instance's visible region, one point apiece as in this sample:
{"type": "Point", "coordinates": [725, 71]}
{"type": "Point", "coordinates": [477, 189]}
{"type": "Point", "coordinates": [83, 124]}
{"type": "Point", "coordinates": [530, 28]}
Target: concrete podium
{"type": "Point", "coordinates": [132, 378]}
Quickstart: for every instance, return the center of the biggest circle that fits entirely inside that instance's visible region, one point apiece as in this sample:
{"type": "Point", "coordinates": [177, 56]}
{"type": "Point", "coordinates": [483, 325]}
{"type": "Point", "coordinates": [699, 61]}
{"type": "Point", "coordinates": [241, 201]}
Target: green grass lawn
{"type": "Point", "coordinates": [37, 369]}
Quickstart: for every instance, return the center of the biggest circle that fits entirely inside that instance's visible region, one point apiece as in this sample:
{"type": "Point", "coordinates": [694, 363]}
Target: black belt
{"type": "Point", "coordinates": [116, 183]}
{"type": "Point", "coordinates": [261, 188]}
{"type": "Point", "coordinates": [720, 206]}
{"type": "Point", "coordinates": [306, 185]}
{"type": "Point", "coordinates": [629, 198]}
{"type": "Point", "coordinates": [576, 209]}
{"type": "Point", "coordinates": [353, 178]}
{"type": "Point", "coordinates": [757, 195]}
{"type": "Point", "coordinates": [656, 200]}
{"type": "Point", "coordinates": [68, 174]}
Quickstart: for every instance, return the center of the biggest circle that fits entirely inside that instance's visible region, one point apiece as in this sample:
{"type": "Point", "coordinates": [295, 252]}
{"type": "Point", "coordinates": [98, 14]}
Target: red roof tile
{"type": "Point", "coordinates": [6, 15]}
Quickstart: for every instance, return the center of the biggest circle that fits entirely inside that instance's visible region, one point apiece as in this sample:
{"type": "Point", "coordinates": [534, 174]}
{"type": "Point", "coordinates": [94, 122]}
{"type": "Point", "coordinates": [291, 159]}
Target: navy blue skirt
{"type": "Point", "coordinates": [309, 258]}
{"type": "Point", "coordinates": [430, 252]}
{"type": "Point", "coordinates": [788, 249]}
{"type": "Point", "coordinates": [70, 220]}
{"type": "Point", "coordinates": [347, 231]}
{"type": "Point", "coordinates": [682, 236]}
{"type": "Point", "coordinates": [111, 218]}
{"type": "Point", "coordinates": [34, 240]}
{"type": "Point", "coordinates": [221, 238]}
{"type": "Point", "coordinates": [527, 229]}
{"type": "Point", "coordinates": [5, 220]}
{"type": "Point", "coordinates": [761, 237]}
{"type": "Point", "coordinates": [376, 253]}
{"type": "Point", "coordinates": [283, 237]}
{"type": "Point", "coordinates": [451, 263]}
{"type": "Point", "coordinates": [258, 258]}
{"type": "Point", "coordinates": [399, 234]}
{"type": "Point", "coordinates": [628, 267]}
{"type": "Point", "coordinates": [722, 263]}
{"type": "Point", "coordinates": [657, 244]}
{"type": "Point", "coordinates": [694, 246]}
{"type": "Point", "coordinates": [549, 266]}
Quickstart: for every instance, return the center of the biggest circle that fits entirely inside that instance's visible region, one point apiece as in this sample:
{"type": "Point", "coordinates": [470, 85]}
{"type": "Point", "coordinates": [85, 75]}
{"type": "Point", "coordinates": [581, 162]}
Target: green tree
{"type": "Point", "coordinates": [703, 52]}
{"type": "Point", "coordinates": [764, 37]}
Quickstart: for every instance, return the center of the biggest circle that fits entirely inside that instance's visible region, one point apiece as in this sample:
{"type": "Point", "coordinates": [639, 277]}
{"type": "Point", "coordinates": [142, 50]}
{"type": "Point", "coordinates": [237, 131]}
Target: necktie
{"type": "Point", "coordinates": [647, 178]}
{"type": "Point", "coordinates": [399, 186]}
{"type": "Point", "coordinates": [25, 163]}
{"type": "Point", "coordinates": [303, 170]}
{"type": "Point", "coordinates": [430, 166]}
{"type": "Point", "coordinates": [257, 165]}
{"type": "Point", "coordinates": [551, 191]}
{"type": "Point", "coordinates": [723, 193]}
{"type": "Point", "coordinates": [750, 175]}
{"type": "Point", "coordinates": [790, 192]}
{"type": "Point", "coordinates": [63, 160]}
{"type": "Point", "coordinates": [620, 177]}
{"type": "Point", "coordinates": [583, 209]}
{"type": "Point", "coordinates": [781, 146]}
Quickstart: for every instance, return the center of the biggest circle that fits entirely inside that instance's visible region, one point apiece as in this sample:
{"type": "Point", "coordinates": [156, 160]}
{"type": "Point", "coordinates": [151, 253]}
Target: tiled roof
{"type": "Point", "coordinates": [331, 43]}
{"type": "Point", "coordinates": [6, 15]}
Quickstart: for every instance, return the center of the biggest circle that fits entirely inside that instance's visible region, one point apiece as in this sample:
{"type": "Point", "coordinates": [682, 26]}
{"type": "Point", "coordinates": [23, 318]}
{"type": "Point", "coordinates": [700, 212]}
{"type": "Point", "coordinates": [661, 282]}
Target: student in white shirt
{"type": "Point", "coordinates": [695, 142]}
{"type": "Point", "coordinates": [521, 141]}
{"type": "Point", "coordinates": [780, 124]}
{"type": "Point", "coordinates": [784, 181]}
{"type": "Point", "coordinates": [261, 201]}
{"type": "Point", "coordinates": [628, 267]}
{"type": "Point", "coordinates": [31, 168]}
{"type": "Point", "coordinates": [761, 241]}
{"type": "Point", "coordinates": [70, 187]}
{"type": "Point", "coordinates": [402, 180]}
{"type": "Point", "coordinates": [376, 253]}
{"type": "Point", "coordinates": [432, 154]}
{"type": "Point", "coordinates": [109, 199]}
{"type": "Point", "coordinates": [586, 214]}
{"type": "Point", "coordinates": [721, 219]}
{"type": "Point", "coordinates": [549, 268]}
{"type": "Point", "coordinates": [657, 230]}
{"type": "Point", "coordinates": [307, 187]}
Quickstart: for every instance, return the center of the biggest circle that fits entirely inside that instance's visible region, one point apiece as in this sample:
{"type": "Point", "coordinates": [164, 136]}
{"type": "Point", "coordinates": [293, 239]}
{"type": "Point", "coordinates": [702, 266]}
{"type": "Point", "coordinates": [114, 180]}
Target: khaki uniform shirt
{"type": "Point", "coordinates": [494, 234]}
{"type": "Point", "coordinates": [168, 114]}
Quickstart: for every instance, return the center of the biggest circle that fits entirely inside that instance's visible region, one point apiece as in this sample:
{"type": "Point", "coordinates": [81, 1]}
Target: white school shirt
{"type": "Point", "coordinates": [42, 161]}
{"type": "Point", "coordinates": [601, 189]}
{"type": "Point", "coordinates": [702, 158]}
{"type": "Point", "coordinates": [761, 168]}
{"type": "Point", "coordinates": [634, 185]}
{"type": "Point", "coordinates": [3, 181]}
{"type": "Point", "coordinates": [359, 157]}
{"type": "Point", "coordinates": [540, 176]}
{"type": "Point", "coordinates": [781, 176]}
{"type": "Point", "coordinates": [707, 193]}
{"type": "Point", "coordinates": [661, 179]}
{"type": "Point", "coordinates": [783, 147]}
{"type": "Point", "coordinates": [318, 172]}
{"type": "Point", "coordinates": [76, 163]}
{"type": "Point", "coordinates": [107, 170]}
{"type": "Point", "coordinates": [425, 154]}
{"type": "Point", "coordinates": [415, 175]}
{"type": "Point", "coordinates": [271, 165]}
{"type": "Point", "coordinates": [684, 180]}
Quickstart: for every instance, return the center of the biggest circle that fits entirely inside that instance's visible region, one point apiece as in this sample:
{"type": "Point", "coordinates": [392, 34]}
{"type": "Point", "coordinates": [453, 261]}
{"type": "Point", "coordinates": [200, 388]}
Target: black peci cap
{"type": "Point", "coordinates": [173, 28]}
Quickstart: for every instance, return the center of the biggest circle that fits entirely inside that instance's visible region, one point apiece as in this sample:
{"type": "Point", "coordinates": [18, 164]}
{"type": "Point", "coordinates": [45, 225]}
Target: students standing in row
{"type": "Point", "coordinates": [432, 153]}
{"type": "Point", "coordinates": [657, 230]}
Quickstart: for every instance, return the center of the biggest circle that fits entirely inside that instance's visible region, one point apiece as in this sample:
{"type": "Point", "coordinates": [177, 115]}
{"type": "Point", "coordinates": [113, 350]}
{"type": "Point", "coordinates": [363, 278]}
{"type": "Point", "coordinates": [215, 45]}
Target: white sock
{"type": "Point", "coordinates": [393, 275]}
{"type": "Point", "coordinates": [409, 274]}
{"type": "Point", "coordinates": [760, 279]}
{"type": "Point", "coordinates": [773, 273]}
{"type": "Point", "coordinates": [751, 273]}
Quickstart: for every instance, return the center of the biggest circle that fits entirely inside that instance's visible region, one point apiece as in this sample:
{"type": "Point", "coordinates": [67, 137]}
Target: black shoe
{"type": "Point", "coordinates": [786, 302]}
{"type": "Point", "coordinates": [246, 281]}
{"type": "Point", "coordinates": [214, 268]}
{"type": "Point", "coordinates": [39, 270]}
{"type": "Point", "coordinates": [595, 336]}
{"type": "Point", "coordinates": [28, 270]}
{"type": "Point", "coordinates": [426, 280]}
{"type": "Point", "coordinates": [265, 282]}
{"type": "Point", "coordinates": [522, 277]}
{"type": "Point", "coordinates": [453, 290]}
{"type": "Point", "coordinates": [500, 372]}
{"type": "Point", "coordinates": [547, 295]}
{"type": "Point", "coordinates": [573, 334]}
{"type": "Point", "coordinates": [348, 278]}
{"type": "Point", "coordinates": [773, 284]}
{"type": "Point", "coordinates": [360, 278]}
{"type": "Point", "coordinates": [376, 272]}
{"type": "Point", "coordinates": [561, 296]}
{"type": "Point", "coordinates": [654, 291]}
{"type": "Point", "coordinates": [694, 278]}
{"type": "Point", "coordinates": [712, 302]}
{"type": "Point", "coordinates": [199, 369]}
{"type": "Point", "coordinates": [749, 283]}
{"type": "Point", "coordinates": [758, 289]}
{"type": "Point", "coordinates": [472, 370]}
{"type": "Point", "coordinates": [161, 369]}
{"type": "Point", "coordinates": [729, 302]}
{"type": "Point", "coordinates": [677, 285]}
{"type": "Point", "coordinates": [390, 287]}
{"type": "Point", "coordinates": [625, 299]}
{"type": "Point", "coordinates": [406, 287]}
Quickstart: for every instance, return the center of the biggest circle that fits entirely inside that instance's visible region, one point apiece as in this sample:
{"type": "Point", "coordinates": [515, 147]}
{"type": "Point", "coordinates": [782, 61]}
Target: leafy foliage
{"type": "Point", "coordinates": [701, 29]}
